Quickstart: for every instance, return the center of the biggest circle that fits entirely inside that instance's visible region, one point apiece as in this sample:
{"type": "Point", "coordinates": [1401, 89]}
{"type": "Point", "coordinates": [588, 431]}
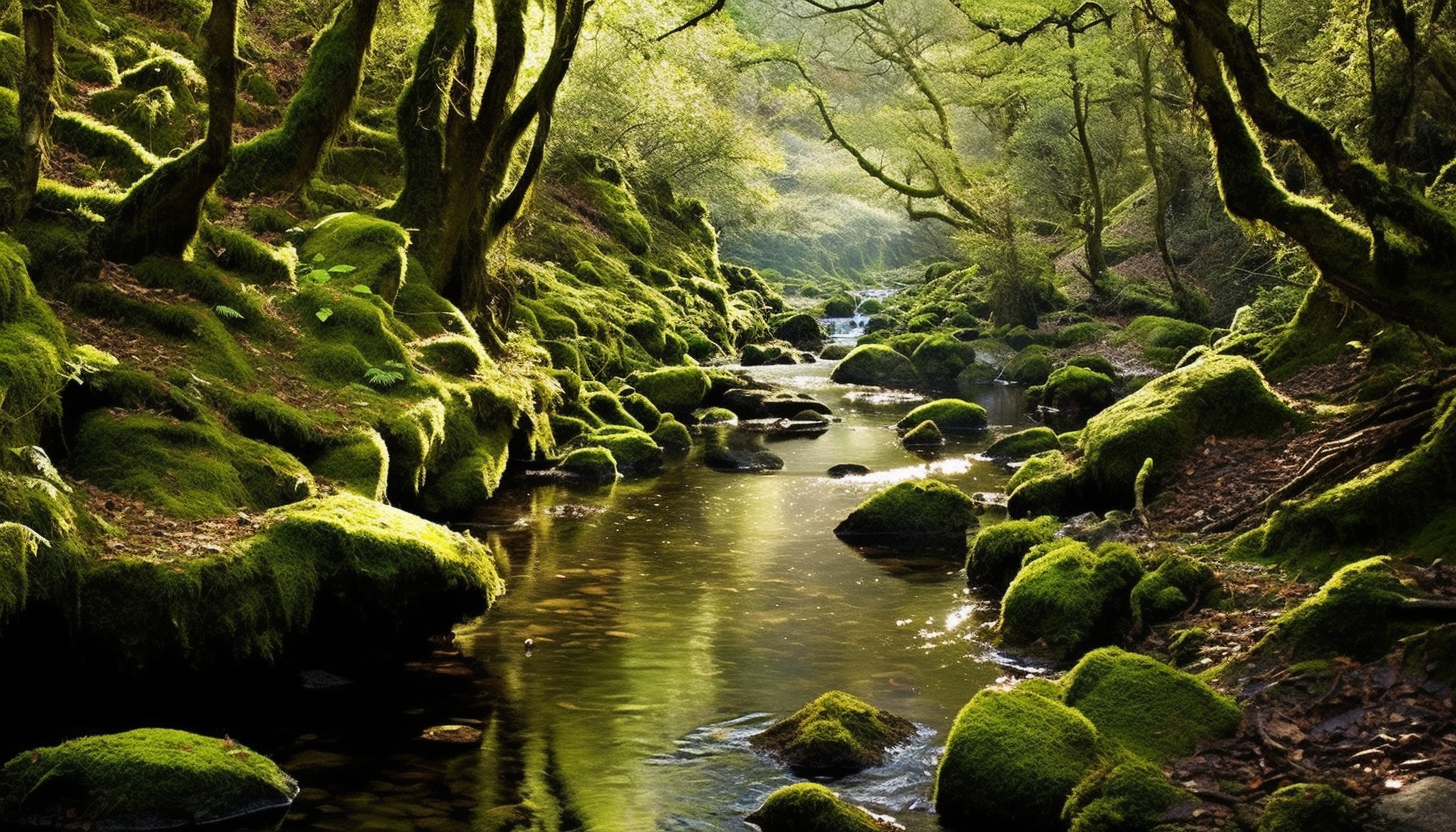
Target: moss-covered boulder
{"type": "Point", "coordinates": [190, 470]}
{"type": "Point", "coordinates": [607, 407]}
{"type": "Point", "coordinates": [810, 807]}
{"type": "Point", "coordinates": [1167, 419]}
{"type": "Point", "coordinates": [997, 551]}
{"type": "Point", "coordinates": [671, 435]}
{"type": "Point", "coordinates": [1032, 365]}
{"type": "Point", "coordinates": [1171, 587]}
{"type": "Point", "coordinates": [1163, 340]}
{"type": "Point", "coordinates": [1068, 599]}
{"type": "Point", "coordinates": [1155, 711]}
{"type": "Point", "coordinates": [595, 465]}
{"type": "Point", "coordinates": [675, 390]}
{"type": "Point", "coordinates": [800, 329]}
{"type": "Point", "coordinates": [941, 358]}
{"type": "Point", "coordinates": [357, 250]}
{"type": "Point", "coordinates": [1012, 759]}
{"type": "Point", "coordinates": [357, 462]}
{"type": "Point", "coordinates": [877, 365]}
{"type": "Point", "coordinates": [1129, 796]}
{"type": "Point", "coordinates": [1351, 615]}
{"type": "Point", "coordinates": [149, 778]}
{"type": "Point", "coordinates": [921, 512]}
{"type": "Point", "coordinates": [1307, 806]}
{"type": "Point", "coordinates": [950, 415]}
{"type": "Point", "coordinates": [1046, 484]}
{"type": "Point", "coordinates": [834, 735]}
{"type": "Point", "coordinates": [33, 351]}
{"type": "Point", "coordinates": [1024, 443]}
{"type": "Point", "coordinates": [923, 436]}
{"type": "Point", "coordinates": [1074, 392]}
{"type": "Point", "coordinates": [635, 452]}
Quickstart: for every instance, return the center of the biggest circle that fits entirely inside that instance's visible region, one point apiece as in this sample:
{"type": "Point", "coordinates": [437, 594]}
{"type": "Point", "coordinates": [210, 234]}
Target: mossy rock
{"type": "Point", "coordinates": [675, 390]}
{"type": "Point", "coordinates": [1308, 806]}
{"type": "Point", "coordinates": [1070, 599]}
{"type": "Point", "coordinates": [1045, 484]}
{"type": "Point", "coordinates": [672, 436]}
{"type": "Point", "coordinates": [940, 359]}
{"type": "Point", "coordinates": [352, 249]}
{"type": "Point", "coordinates": [1168, 418]}
{"type": "Point", "coordinates": [716, 416]}
{"type": "Point", "coordinates": [835, 351]}
{"type": "Point", "coordinates": [800, 329]}
{"type": "Point", "coordinates": [1024, 443]}
{"type": "Point", "coordinates": [149, 778]}
{"type": "Point", "coordinates": [834, 735]}
{"type": "Point", "coordinates": [1351, 615]}
{"type": "Point", "coordinates": [596, 465]}
{"type": "Point", "coordinates": [839, 305]}
{"type": "Point", "coordinates": [997, 551]}
{"type": "Point", "coordinates": [950, 415]}
{"type": "Point", "coordinates": [877, 365]}
{"type": "Point", "coordinates": [454, 355]}
{"type": "Point", "coordinates": [634, 451]}
{"type": "Point", "coordinates": [1012, 759]}
{"type": "Point", "coordinates": [1131, 796]}
{"type": "Point", "coordinates": [102, 143]}
{"type": "Point", "coordinates": [1032, 365]}
{"type": "Point", "coordinates": [33, 352]}
{"type": "Point", "coordinates": [608, 407]}
{"type": "Point", "coordinates": [923, 512]}
{"type": "Point", "coordinates": [810, 807]}
{"type": "Point", "coordinates": [642, 409]}
{"type": "Point", "coordinates": [1094, 362]}
{"type": "Point", "coordinates": [358, 462]}
{"type": "Point", "coordinates": [1076, 390]}
{"type": "Point", "coordinates": [1155, 711]}
{"type": "Point", "coordinates": [1164, 340]}
{"type": "Point", "coordinates": [189, 470]}
{"type": "Point", "coordinates": [923, 435]}
{"type": "Point", "coordinates": [1169, 589]}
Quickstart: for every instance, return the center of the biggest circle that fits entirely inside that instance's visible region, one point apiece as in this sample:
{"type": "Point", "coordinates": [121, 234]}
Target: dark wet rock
{"type": "Point", "coordinates": [739, 452]}
{"type": "Point", "coordinates": [834, 735]}
{"type": "Point", "coordinates": [848, 469]}
{"type": "Point", "coordinates": [1427, 805]}
{"type": "Point", "coordinates": [770, 404]}
{"type": "Point", "coordinates": [149, 778]}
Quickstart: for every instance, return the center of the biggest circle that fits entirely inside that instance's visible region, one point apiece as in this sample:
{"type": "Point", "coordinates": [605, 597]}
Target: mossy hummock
{"type": "Point", "coordinates": [1307, 806]}
{"type": "Point", "coordinates": [1070, 599]}
{"type": "Point", "coordinates": [1351, 615]}
{"type": "Point", "coordinates": [877, 365]}
{"type": "Point", "coordinates": [675, 390]}
{"type": "Point", "coordinates": [997, 551]}
{"type": "Point", "coordinates": [810, 807]}
{"type": "Point", "coordinates": [950, 415]}
{"type": "Point", "coordinates": [149, 778]}
{"type": "Point", "coordinates": [834, 735]}
{"type": "Point", "coordinates": [922, 512]}
{"type": "Point", "coordinates": [596, 465]}
{"type": "Point", "coordinates": [1024, 443]}
{"type": "Point", "coordinates": [1131, 796]}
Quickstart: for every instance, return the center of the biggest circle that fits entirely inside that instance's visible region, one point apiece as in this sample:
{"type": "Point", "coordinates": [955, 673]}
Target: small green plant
{"type": "Point", "coordinates": [388, 374]}
{"type": "Point", "coordinates": [324, 313]}
{"type": "Point", "coordinates": [227, 312]}
{"type": "Point", "coordinates": [318, 274]}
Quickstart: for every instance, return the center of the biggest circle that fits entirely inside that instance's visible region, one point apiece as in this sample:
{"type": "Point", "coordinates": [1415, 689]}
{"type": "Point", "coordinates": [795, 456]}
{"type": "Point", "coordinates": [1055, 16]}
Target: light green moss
{"type": "Point", "coordinates": [676, 390]}
{"type": "Point", "coordinates": [362, 250]}
{"type": "Point", "coordinates": [102, 143]}
{"type": "Point", "coordinates": [634, 451]}
{"type": "Point", "coordinates": [950, 415]}
{"type": "Point", "coordinates": [1163, 340]}
{"type": "Point", "coordinates": [1024, 443]}
{"type": "Point", "coordinates": [456, 355]}
{"type": "Point", "coordinates": [190, 470]}
{"type": "Point", "coordinates": [924, 435]}
{"type": "Point", "coordinates": [358, 462]}
{"type": "Point", "coordinates": [1070, 599]}
{"type": "Point", "coordinates": [268, 419]}
{"type": "Point", "coordinates": [1351, 615]}
{"type": "Point", "coordinates": [941, 358]}
{"type": "Point", "coordinates": [1169, 589]}
{"type": "Point", "coordinates": [671, 435]}
{"type": "Point", "coordinates": [997, 551]}
{"type": "Point", "coordinates": [591, 464]}
{"type": "Point", "coordinates": [800, 329]}
{"type": "Point", "coordinates": [1075, 389]}
{"type": "Point", "coordinates": [878, 365]}
{"type": "Point", "coordinates": [835, 734]}
{"type": "Point", "coordinates": [242, 253]}
{"type": "Point", "coordinates": [1155, 711]}
{"type": "Point", "coordinates": [1033, 365]}
{"type": "Point", "coordinates": [608, 407]}
{"type": "Point", "coordinates": [641, 408]}
{"type": "Point", "coordinates": [1306, 806]}
{"type": "Point", "coordinates": [1044, 484]}
{"type": "Point", "coordinates": [1011, 760]}
{"type": "Point", "coordinates": [810, 807]}
{"type": "Point", "coordinates": [921, 511]}
{"type": "Point", "coordinates": [474, 473]}
{"type": "Point", "coordinates": [1128, 797]}
{"type": "Point", "coordinates": [141, 779]}
{"type": "Point", "coordinates": [1094, 362]}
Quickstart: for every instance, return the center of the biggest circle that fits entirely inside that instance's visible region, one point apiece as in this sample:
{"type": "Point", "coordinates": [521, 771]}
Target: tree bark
{"type": "Point", "coordinates": [284, 159]}
{"type": "Point", "coordinates": [161, 212]}
{"type": "Point", "coordinates": [34, 109]}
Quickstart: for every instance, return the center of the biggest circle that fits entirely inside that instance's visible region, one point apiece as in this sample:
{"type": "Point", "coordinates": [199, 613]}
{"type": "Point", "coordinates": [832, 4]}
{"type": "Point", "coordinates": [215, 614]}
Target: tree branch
{"type": "Point", "coordinates": [694, 20]}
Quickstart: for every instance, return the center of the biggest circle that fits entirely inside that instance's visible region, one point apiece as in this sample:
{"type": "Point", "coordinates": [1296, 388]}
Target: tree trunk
{"type": "Point", "coordinates": [35, 107]}
{"type": "Point", "coordinates": [283, 160]}
{"type": "Point", "coordinates": [1093, 209]}
{"type": "Point", "coordinates": [160, 213]}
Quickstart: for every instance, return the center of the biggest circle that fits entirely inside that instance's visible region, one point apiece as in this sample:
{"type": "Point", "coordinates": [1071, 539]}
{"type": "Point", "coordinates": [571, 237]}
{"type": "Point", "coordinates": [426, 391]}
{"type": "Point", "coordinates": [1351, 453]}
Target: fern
{"type": "Point", "coordinates": [386, 375]}
{"type": "Point", "coordinates": [227, 312]}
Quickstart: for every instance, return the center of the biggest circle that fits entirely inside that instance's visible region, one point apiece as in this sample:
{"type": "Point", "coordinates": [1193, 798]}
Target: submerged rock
{"type": "Point", "coordinates": [920, 512]}
{"type": "Point", "coordinates": [810, 807]}
{"type": "Point", "coordinates": [149, 778]}
{"type": "Point", "coordinates": [751, 403]}
{"type": "Point", "coordinates": [848, 469]}
{"type": "Point", "coordinates": [835, 734]}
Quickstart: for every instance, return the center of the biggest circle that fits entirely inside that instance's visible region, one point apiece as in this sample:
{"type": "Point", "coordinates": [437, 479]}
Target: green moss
{"type": "Point", "coordinates": [1095, 363]}
{"type": "Point", "coordinates": [1030, 366]}
{"type": "Point", "coordinates": [590, 464]}
{"type": "Point", "coordinates": [333, 318]}
{"type": "Point", "coordinates": [1153, 710]}
{"type": "Point", "coordinates": [1024, 443]}
{"type": "Point", "coordinates": [1070, 599]}
{"type": "Point", "coordinates": [1306, 806]}
{"type": "Point", "coordinates": [210, 347]}
{"type": "Point", "coordinates": [567, 428]}
{"type": "Point", "coordinates": [33, 352]}
{"type": "Point", "coordinates": [671, 435]}
{"type": "Point", "coordinates": [352, 249]}
{"type": "Point", "coordinates": [839, 305]}
{"type": "Point", "coordinates": [1164, 340]}
{"type": "Point", "coordinates": [810, 807]}
{"type": "Point", "coordinates": [641, 408]}
{"type": "Point", "coordinates": [1011, 760]}
{"type": "Point", "coordinates": [1169, 589]}
{"type": "Point", "coordinates": [675, 390]}
{"type": "Point", "coordinates": [924, 435]}
{"type": "Point", "coordinates": [268, 219]}
{"type": "Point", "coordinates": [608, 407]}
{"type": "Point", "coordinates": [1128, 797]}
{"type": "Point", "coordinates": [835, 734]}
{"type": "Point", "coordinates": [270, 420]}
{"type": "Point", "coordinates": [1044, 484]}
{"type": "Point", "coordinates": [456, 355]}
{"type": "Point", "coordinates": [950, 415]}
{"type": "Point", "coordinates": [634, 450]}
{"type": "Point", "coordinates": [617, 209]}
{"type": "Point", "coordinates": [997, 551]}
{"type": "Point", "coordinates": [190, 470]}
{"type": "Point", "coordinates": [146, 778]}
{"type": "Point", "coordinates": [941, 358]}
{"type": "Point", "coordinates": [358, 462]}
{"type": "Point", "coordinates": [12, 60]}
{"type": "Point", "coordinates": [103, 143]}
{"type": "Point", "coordinates": [878, 365]}
{"type": "Point", "coordinates": [1075, 389]}
{"type": "Point", "coordinates": [906, 343]}
{"type": "Point", "coordinates": [1168, 418]}
{"type": "Point", "coordinates": [922, 511]}
{"type": "Point", "coordinates": [472, 471]}
{"type": "Point", "coordinates": [800, 329]}
{"type": "Point", "coordinates": [1351, 615]}
{"type": "Point", "coordinates": [241, 252]}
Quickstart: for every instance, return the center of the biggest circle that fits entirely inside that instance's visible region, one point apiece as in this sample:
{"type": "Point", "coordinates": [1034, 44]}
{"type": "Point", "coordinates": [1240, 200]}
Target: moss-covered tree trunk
{"type": "Point", "coordinates": [160, 214]}
{"type": "Point", "coordinates": [1149, 123]}
{"type": "Point", "coordinates": [1093, 213]}
{"type": "Point", "coordinates": [283, 160]}
{"type": "Point", "coordinates": [34, 107]}
{"type": "Point", "coordinates": [463, 138]}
